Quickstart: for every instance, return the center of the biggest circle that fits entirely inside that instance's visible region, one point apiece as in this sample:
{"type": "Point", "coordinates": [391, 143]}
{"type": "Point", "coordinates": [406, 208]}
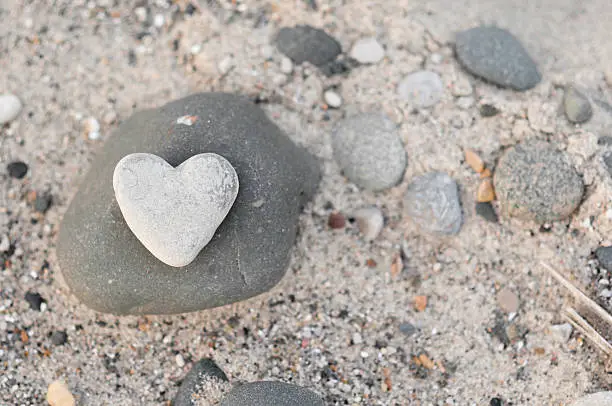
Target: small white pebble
{"type": "Point", "coordinates": [92, 128]}
{"type": "Point", "coordinates": [364, 354]}
{"type": "Point", "coordinates": [225, 65]}
{"type": "Point", "coordinates": [286, 65]}
{"type": "Point", "coordinates": [10, 107]}
{"type": "Point", "coordinates": [179, 360]}
{"type": "Point", "coordinates": [5, 243]}
{"type": "Point", "coordinates": [367, 50]}
{"type": "Point", "coordinates": [141, 14]}
{"type": "Point", "coordinates": [436, 58]}
{"type": "Point", "coordinates": [195, 49]}
{"type": "Point", "coordinates": [187, 120]}
{"type": "Point", "coordinates": [159, 20]}
{"type": "Point", "coordinates": [332, 99]}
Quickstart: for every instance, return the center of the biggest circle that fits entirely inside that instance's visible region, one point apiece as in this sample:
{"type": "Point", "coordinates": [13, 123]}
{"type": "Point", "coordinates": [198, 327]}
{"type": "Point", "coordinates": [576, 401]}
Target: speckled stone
{"type": "Point", "coordinates": [432, 202]}
{"type": "Point", "coordinates": [369, 151]}
{"type": "Point", "coordinates": [535, 181]}
{"type": "Point", "coordinates": [497, 56]}
{"type": "Point", "coordinates": [269, 393]}
{"type": "Point", "coordinates": [204, 369]}
{"type": "Point", "coordinates": [109, 270]}
{"type": "Point", "coordinates": [421, 89]}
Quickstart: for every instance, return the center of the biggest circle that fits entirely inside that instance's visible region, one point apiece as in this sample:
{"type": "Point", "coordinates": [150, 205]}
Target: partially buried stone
{"type": "Point", "coordinates": [577, 106]}
{"type": "Point", "coordinates": [203, 373]}
{"type": "Point", "coordinates": [497, 56]}
{"type": "Point", "coordinates": [534, 181]}
{"type": "Point", "coordinates": [604, 256]}
{"type": "Point", "coordinates": [369, 151]}
{"type": "Point", "coordinates": [17, 169]}
{"type": "Point", "coordinates": [486, 211]}
{"type": "Point", "coordinates": [59, 338]}
{"type": "Point", "coordinates": [35, 300]}
{"type": "Point", "coordinates": [106, 266]}
{"type": "Point", "coordinates": [421, 89]}
{"type": "Point", "coordinates": [269, 393]}
{"type": "Point", "coordinates": [595, 399]}
{"type": "Point", "coordinates": [43, 202]}
{"type": "Point", "coordinates": [432, 201]}
{"type": "Point", "coordinates": [305, 43]}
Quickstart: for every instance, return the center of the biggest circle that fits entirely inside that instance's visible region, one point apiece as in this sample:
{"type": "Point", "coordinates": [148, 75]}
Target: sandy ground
{"type": "Point", "coordinates": [332, 324]}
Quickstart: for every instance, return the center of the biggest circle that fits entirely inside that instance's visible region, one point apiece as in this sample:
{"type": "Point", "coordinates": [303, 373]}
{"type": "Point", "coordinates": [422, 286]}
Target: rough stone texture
{"type": "Point", "coordinates": [604, 256]}
{"type": "Point", "coordinates": [111, 271]}
{"type": "Point", "coordinates": [432, 201]}
{"type": "Point", "coordinates": [268, 393]}
{"type": "Point", "coordinates": [496, 55]}
{"type": "Point", "coordinates": [595, 399]}
{"type": "Point", "coordinates": [534, 181]}
{"type": "Point", "coordinates": [174, 212]}
{"type": "Point", "coordinates": [577, 106]}
{"type": "Point", "coordinates": [10, 107]}
{"type": "Point", "coordinates": [421, 89]}
{"type": "Point", "coordinates": [369, 151]}
{"type": "Point", "coordinates": [204, 369]}
{"type": "Point", "coordinates": [305, 43]}
{"type": "Point", "coordinates": [367, 51]}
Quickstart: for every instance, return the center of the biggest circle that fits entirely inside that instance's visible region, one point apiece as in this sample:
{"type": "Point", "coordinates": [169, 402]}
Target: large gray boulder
{"type": "Point", "coordinates": [109, 270]}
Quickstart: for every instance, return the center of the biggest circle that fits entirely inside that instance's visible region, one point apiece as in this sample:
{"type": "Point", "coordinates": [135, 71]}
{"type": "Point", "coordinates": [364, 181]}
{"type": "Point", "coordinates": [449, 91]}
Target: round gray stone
{"type": "Point", "coordinates": [534, 181]}
{"type": "Point", "coordinates": [421, 89]}
{"type": "Point", "coordinates": [604, 256]}
{"type": "Point", "coordinates": [577, 106]}
{"type": "Point", "coordinates": [109, 270]}
{"type": "Point", "coordinates": [305, 43]}
{"type": "Point", "coordinates": [595, 399]}
{"type": "Point", "coordinates": [497, 56]}
{"type": "Point", "coordinates": [432, 202]}
{"type": "Point", "coordinates": [204, 369]}
{"type": "Point", "coordinates": [369, 151]}
{"type": "Point", "coordinates": [269, 393]}
{"type": "Point", "coordinates": [367, 51]}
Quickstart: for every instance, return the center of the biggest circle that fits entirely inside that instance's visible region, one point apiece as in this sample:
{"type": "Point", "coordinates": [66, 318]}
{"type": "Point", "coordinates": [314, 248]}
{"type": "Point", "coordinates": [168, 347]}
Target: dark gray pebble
{"type": "Point", "coordinates": [59, 338]}
{"type": "Point", "coordinates": [407, 329]}
{"type": "Point", "coordinates": [488, 110]}
{"type": "Point", "coordinates": [305, 43]}
{"type": "Point", "coordinates": [43, 203]}
{"type": "Point", "coordinates": [577, 106]}
{"type": "Point", "coordinates": [35, 300]}
{"type": "Point", "coordinates": [486, 211]}
{"type": "Point", "coordinates": [17, 169]}
{"type": "Point", "coordinates": [206, 368]}
{"type": "Point", "coordinates": [604, 256]}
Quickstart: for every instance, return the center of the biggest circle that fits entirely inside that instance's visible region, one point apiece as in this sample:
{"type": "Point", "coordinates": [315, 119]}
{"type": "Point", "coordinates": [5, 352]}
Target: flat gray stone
{"type": "Point", "coordinates": [497, 56]}
{"type": "Point", "coordinates": [432, 202]}
{"type": "Point", "coordinates": [305, 43]}
{"type": "Point", "coordinates": [369, 151]}
{"type": "Point", "coordinates": [604, 256]}
{"type": "Point", "coordinates": [269, 393]}
{"type": "Point", "coordinates": [190, 386]}
{"type": "Point", "coordinates": [421, 89]}
{"type": "Point", "coordinates": [595, 399]}
{"type": "Point", "coordinates": [109, 270]}
{"type": "Point", "coordinates": [534, 181]}
{"type": "Point", "coordinates": [174, 212]}
{"type": "Point", "coordinates": [577, 106]}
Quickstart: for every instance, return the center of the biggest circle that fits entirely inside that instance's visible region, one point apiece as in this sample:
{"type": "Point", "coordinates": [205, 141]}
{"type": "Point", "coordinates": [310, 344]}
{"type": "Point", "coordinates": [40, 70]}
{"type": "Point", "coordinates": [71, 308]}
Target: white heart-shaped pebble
{"type": "Point", "coordinates": [174, 212]}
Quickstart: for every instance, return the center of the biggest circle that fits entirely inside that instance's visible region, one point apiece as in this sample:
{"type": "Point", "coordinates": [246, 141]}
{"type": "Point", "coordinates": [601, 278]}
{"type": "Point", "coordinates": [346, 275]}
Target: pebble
{"type": "Point", "coordinates": [561, 332]}
{"type": "Point", "coordinates": [92, 128]}
{"type": "Point", "coordinates": [474, 160]}
{"type": "Point", "coordinates": [369, 150]}
{"type": "Point", "coordinates": [175, 212]}
{"type": "Point", "coordinates": [370, 222]}
{"type": "Point", "coordinates": [486, 211]}
{"type": "Point", "coordinates": [304, 43]}
{"type": "Point", "coordinates": [59, 338]}
{"type": "Point", "coordinates": [336, 221]}
{"type": "Point", "coordinates": [203, 370]}
{"type": "Point", "coordinates": [432, 201]}
{"type": "Point", "coordinates": [488, 110]}
{"type": "Point", "coordinates": [507, 300]}
{"type": "Point", "coordinates": [421, 89]}
{"type": "Point", "coordinates": [407, 329]}
{"type": "Point", "coordinates": [58, 394]}
{"type": "Point", "coordinates": [497, 56]}
{"type": "Point", "coordinates": [43, 202]}
{"type": "Point", "coordinates": [5, 243]}
{"type": "Point", "coordinates": [17, 169]}
{"type": "Point", "coordinates": [485, 192]}
{"type": "Point", "coordinates": [270, 393]}
{"type": "Point", "coordinates": [577, 106]}
{"type": "Point", "coordinates": [604, 256]}
{"type": "Point", "coordinates": [35, 300]}
{"type": "Point", "coordinates": [180, 361]}
{"type": "Point", "coordinates": [286, 65]}
{"type": "Point", "coordinates": [367, 51]}
{"type": "Point", "coordinates": [534, 181]}
{"type": "Point", "coordinates": [10, 107]}
{"type": "Point", "coordinates": [225, 65]}
{"type": "Point", "coordinates": [465, 102]}
{"type": "Point", "coordinates": [332, 99]}
{"type": "Point", "coordinates": [251, 249]}
{"type": "Point", "coordinates": [595, 399]}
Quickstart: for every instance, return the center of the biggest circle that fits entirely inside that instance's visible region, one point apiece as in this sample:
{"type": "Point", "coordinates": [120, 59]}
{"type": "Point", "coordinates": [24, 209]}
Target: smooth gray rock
{"type": "Point", "coordinates": [305, 43]}
{"type": "Point", "coordinates": [595, 399]}
{"type": "Point", "coordinates": [604, 256]}
{"type": "Point", "coordinates": [497, 56]}
{"type": "Point", "coordinates": [421, 89]}
{"type": "Point", "coordinates": [106, 266]}
{"type": "Point", "coordinates": [174, 212]}
{"type": "Point", "coordinates": [204, 369]}
{"type": "Point", "coordinates": [269, 393]}
{"type": "Point", "coordinates": [10, 107]}
{"type": "Point", "coordinates": [534, 181]}
{"type": "Point", "coordinates": [369, 151]}
{"type": "Point", "coordinates": [432, 202]}
{"type": "Point", "coordinates": [577, 106]}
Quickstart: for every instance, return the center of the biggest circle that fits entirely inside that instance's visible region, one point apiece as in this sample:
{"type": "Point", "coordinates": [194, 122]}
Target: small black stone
{"type": "Point", "coordinates": [305, 43]}
{"type": "Point", "coordinates": [43, 202]}
{"type": "Point", "coordinates": [486, 211]}
{"type": "Point", "coordinates": [59, 338]}
{"type": "Point", "coordinates": [17, 169]}
{"type": "Point", "coordinates": [34, 299]}
{"type": "Point", "coordinates": [604, 256]}
{"type": "Point", "coordinates": [190, 9]}
{"type": "Point", "coordinates": [496, 402]}
{"type": "Point", "coordinates": [488, 110]}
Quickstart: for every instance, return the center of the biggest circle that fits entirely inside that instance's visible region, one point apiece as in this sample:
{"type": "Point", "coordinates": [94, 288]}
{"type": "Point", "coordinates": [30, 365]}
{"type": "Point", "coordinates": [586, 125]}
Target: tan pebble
{"type": "Point", "coordinates": [486, 173]}
{"type": "Point", "coordinates": [58, 394]}
{"type": "Point", "coordinates": [474, 160]}
{"type": "Point", "coordinates": [507, 300]}
{"type": "Point", "coordinates": [485, 191]}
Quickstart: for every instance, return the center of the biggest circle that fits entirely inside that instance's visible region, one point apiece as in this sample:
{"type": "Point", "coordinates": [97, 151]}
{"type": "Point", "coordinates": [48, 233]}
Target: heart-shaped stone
{"type": "Point", "coordinates": [174, 212]}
